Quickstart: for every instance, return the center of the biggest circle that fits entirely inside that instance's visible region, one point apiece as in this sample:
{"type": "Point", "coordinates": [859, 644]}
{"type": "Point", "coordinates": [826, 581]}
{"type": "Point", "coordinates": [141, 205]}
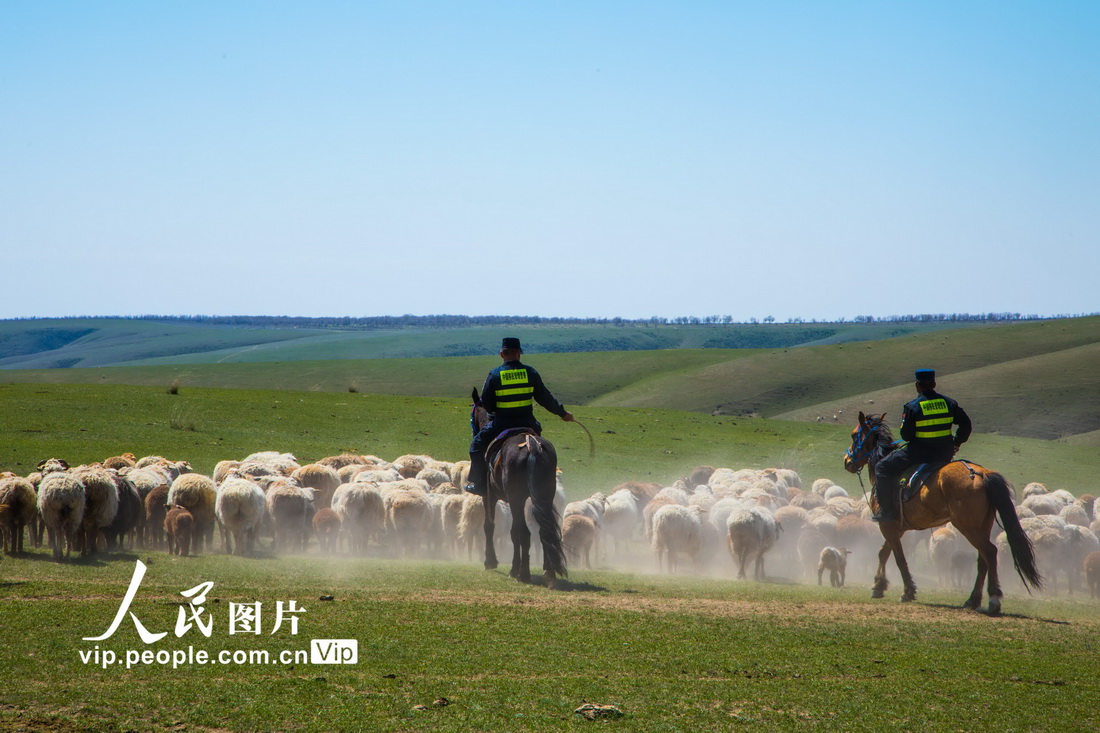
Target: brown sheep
{"type": "Point", "coordinates": [179, 524]}
{"type": "Point", "coordinates": [578, 535]}
{"type": "Point", "coordinates": [126, 460]}
{"type": "Point", "coordinates": [326, 523]}
{"type": "Point", "coordinates": [18, 494]}
{"type": "Point", "coordinates": [323, 480]}
{"type": "Point", "coordinates": [1092, 573]}
{"type": "Point", "coordinates": [156, 508]}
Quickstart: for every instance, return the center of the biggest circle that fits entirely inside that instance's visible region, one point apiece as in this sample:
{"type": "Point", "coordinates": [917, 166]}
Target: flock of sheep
{"type": "Point", "coordinates": [715, 520]}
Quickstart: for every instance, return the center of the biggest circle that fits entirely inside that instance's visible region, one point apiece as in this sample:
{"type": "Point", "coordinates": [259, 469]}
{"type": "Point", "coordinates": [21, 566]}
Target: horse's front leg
{"type": "Point", "coordinates": [521, 543]}
{"type": "Point", "coordinates": [878, 590]}
{"type": "Point", "coordinates": [490, 528]}
{"type": "Point", "coordinates": [910, 592]}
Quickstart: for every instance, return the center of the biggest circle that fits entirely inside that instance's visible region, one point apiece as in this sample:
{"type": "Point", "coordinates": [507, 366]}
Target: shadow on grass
{"type": "Point", "coordinates": [568, 586]}
{"type": "Point", "coordinates": [985, 612]}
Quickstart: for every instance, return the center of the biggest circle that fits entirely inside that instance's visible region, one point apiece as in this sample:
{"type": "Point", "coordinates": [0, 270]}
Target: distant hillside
{"type": "Point", "coordinates": [1032, 379]}
{"type": "Point", "coordinates": [97, 342]}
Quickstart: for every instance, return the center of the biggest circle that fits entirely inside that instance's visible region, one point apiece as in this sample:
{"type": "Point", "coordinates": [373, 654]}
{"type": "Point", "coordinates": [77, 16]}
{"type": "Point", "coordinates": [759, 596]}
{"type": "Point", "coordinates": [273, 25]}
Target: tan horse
{"type": "Point", "coordinates": [964, 494]}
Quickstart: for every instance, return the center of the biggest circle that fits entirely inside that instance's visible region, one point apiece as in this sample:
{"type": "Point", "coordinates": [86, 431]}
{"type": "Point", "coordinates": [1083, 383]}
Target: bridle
{"type": "Point", "coordinates": [859, 452]}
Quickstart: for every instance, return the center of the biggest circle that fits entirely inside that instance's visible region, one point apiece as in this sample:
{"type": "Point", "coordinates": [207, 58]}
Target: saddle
{"type": "Point", "coordinates": [925, 471]}
{"type": "Point", "coordinates": [492, 451]}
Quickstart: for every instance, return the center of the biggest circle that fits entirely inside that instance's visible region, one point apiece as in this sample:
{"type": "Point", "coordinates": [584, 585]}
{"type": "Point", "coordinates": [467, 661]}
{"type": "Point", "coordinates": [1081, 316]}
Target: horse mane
{"type": "Point", "coordinates": [884, 438]}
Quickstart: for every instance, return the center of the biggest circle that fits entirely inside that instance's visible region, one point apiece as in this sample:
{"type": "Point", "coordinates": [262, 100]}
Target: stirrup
{"type": "Point", "coordinates": [471, 488]}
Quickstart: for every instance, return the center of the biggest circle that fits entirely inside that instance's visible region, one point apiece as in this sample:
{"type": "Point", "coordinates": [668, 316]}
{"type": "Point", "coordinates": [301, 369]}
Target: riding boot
{"type": "Point", "coordinates": [886, 494]}
{"type": "Point", "coordinates": [479, 470]}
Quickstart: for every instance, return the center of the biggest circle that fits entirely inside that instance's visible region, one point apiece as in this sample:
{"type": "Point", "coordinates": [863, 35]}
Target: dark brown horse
{"type": "Point", "coordinates": [964, 494]}
{"type": "Point", "coordinates": [525, 467]}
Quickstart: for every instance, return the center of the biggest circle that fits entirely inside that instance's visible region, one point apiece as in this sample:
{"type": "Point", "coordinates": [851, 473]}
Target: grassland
{"type": "Point", "coordinates": [673, 654]}
{"type": "Point", "coordinates": [1034, 380]}
{"type": "Point", "coordinates": [202, 425]}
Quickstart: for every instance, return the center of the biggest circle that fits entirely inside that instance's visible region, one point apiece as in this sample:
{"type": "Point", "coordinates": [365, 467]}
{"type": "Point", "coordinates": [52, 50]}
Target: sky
{"type": "Point", "coordinates": [572, 159]}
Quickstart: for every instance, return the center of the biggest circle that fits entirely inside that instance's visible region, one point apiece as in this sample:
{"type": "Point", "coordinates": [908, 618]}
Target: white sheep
{"type": "Point", "coordinates": [751, 533]}
{"type": "Point", "coordinates": [676, 529]}
{"type": "Point", "coordinates": [239, 508]}
{"type": "Point", "coordinates": [410, 519]}
{"type": "Point", "coordinates": [100, 504]}
{"type": "Point", "coordinates": [362, 514]}
{"type": "Point", "coordinates": [620, 519]}
{"type": "Point", "coordinates": [61, 506]}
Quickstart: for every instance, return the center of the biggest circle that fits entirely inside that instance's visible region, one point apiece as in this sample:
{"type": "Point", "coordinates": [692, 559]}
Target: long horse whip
{"type": "Point", "coordinates": [591, 442]}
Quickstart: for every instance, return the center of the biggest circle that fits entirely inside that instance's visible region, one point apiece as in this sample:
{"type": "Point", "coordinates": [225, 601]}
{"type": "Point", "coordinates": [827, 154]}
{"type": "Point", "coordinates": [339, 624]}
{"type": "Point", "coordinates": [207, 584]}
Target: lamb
{"type": "Point", "coordinates": [156, 508]}
{"type": "Point", "coordinates": [450, 515]}
{"type": "Point", "coordinates": [323, 480]}
{"type": "Point", "coordinates": [835, 560]}
{"type": "Point", "coordinates": [100, 504]}
{"type": "Point", "coordinates": [362, 514]}
{"type": "Point", "coordinates": [751, 533]}
{"type": "Point", "coordinates": [326, 523]}
{"type": "Point", "coordinates": [18, 495]}
{"type": "Point", "coordinates": [61, 505]}
{"type": "Point", "coordinates": [179, 524]}
{"type": "Point", "coordinates": [239, 508]}
{"type": "Point", "coordinates": [291, 508]}
{"type": "Point", "coordinates": [1092, 573]}
{"type": "Point", "coordinates": [578, 536]}
{"type": "Point", "coordinates": [676, 529]}
{"type": "Point", "coordinates": [196, 493]}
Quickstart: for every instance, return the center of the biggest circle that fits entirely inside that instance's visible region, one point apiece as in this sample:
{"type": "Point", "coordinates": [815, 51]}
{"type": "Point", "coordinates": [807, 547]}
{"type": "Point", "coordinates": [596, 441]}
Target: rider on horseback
{"type": "Point", "coordinates": [509, 395]}
{"type": "Point", "coordinates": [926, 426]}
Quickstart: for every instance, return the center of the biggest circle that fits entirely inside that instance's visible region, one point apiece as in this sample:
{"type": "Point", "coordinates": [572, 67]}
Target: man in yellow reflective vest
{"type": "Point", "coordinates": [509, 395]}
{"type": "Point", "coordinates": [926, 426]}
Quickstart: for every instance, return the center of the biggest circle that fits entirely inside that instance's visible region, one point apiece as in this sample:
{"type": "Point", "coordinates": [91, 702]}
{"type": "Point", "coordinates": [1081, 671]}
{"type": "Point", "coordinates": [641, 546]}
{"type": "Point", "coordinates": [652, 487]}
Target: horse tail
{"type": "Point", "coordinates": [1023, 554]}
{"type": "Point", "coordinates": [545, 514]}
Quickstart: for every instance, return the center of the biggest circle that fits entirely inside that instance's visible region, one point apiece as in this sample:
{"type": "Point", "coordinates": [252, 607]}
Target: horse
{"type": "Point", "coordinates": [525, 467]}
{"type": "Point", "coordinates": [965, 494]}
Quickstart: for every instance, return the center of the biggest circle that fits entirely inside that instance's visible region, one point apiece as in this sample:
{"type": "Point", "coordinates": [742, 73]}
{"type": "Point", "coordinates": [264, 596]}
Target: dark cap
{"type": "Point", "coordinates": [925, 375]}
{"type": "Point", "coordinates": [510, 344]}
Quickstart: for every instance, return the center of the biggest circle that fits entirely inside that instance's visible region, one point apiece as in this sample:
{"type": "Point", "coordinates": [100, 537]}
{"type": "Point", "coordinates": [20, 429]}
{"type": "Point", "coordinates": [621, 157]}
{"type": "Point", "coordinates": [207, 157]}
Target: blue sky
{"type": "Point", "coordinates": [793, 159]}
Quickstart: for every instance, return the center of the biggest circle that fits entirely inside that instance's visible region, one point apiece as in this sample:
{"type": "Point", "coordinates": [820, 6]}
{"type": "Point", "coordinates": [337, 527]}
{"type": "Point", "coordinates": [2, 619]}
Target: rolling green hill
{"type": "Point", "coordinates": [83, 423]}
{"type": "Point", "coordinates": [1029, 379]}
{"type": "Point", "coordinates": [96, 342]}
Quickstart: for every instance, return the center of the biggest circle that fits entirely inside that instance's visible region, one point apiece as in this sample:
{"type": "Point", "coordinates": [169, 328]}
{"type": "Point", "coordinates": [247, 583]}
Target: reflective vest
{"type": "Point", "coordinates": [516, 390]}
{"type": "Point", "coordinates": [934, 419]}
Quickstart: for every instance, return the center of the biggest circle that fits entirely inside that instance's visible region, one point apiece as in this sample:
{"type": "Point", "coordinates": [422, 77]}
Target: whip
{"type": "Point", "coordinates": [591, 442]}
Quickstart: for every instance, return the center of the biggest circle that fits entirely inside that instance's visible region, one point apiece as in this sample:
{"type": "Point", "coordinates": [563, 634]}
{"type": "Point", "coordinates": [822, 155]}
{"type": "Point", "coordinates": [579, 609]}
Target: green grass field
{"type": "Point", "coordinates": [672, 653]}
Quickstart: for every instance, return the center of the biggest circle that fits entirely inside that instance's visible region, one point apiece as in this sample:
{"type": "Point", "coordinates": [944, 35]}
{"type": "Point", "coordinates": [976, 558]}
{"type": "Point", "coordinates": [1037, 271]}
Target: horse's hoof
{"type": "Point", "coordinates": [908, 597]}
{"type": "Point", "coordinates": [490, 566]}
{"type": "Point", "coordinates": [877, 594]}
{"type": "Point", "coordinates": [994, 607]}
